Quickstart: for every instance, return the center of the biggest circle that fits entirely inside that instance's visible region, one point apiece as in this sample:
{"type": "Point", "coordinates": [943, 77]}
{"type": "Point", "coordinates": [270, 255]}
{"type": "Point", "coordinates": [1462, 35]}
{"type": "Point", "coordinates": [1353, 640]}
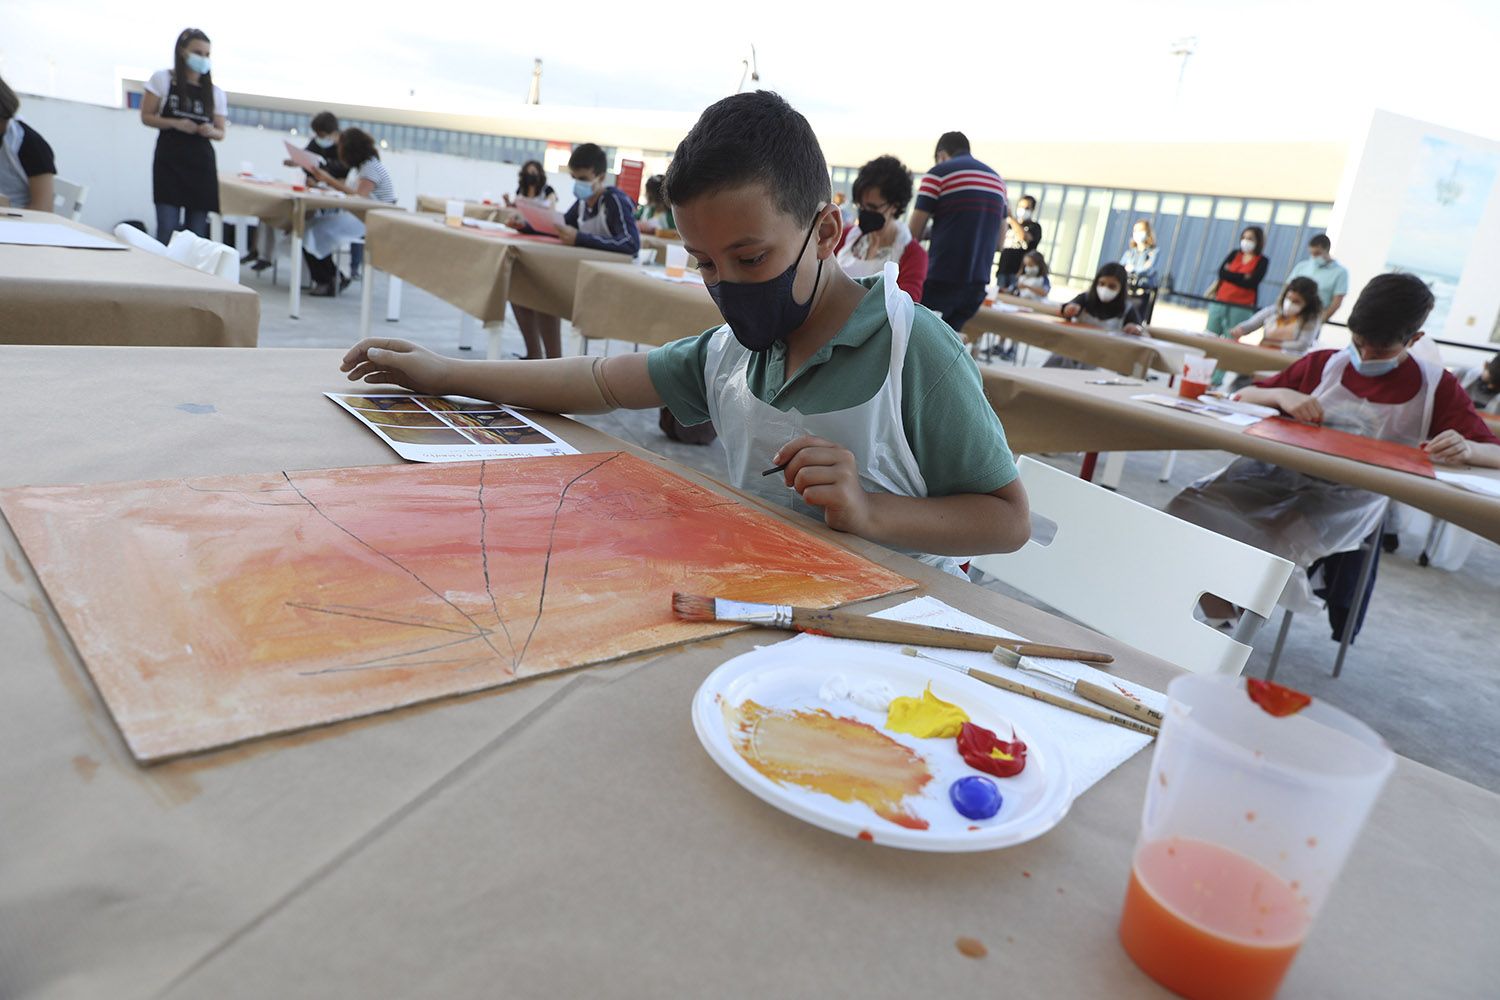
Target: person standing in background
{"type": "Point", "coordinates": [189, 112]}
{"type": "Point", "coordinates": [965, 201]}
{"type": "Point", "coordinates": [26, 165]}
{"type": "Point", "coordinates": [1331, 277]}
{"type": "Point", "coordinates": [1233, 293]}
{"type": "Point", "coordinates": [1020, 235]}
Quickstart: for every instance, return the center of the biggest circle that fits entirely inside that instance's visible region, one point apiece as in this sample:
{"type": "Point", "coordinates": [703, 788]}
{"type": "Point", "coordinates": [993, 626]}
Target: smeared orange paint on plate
{"type": "Point", "coordinates": [835, 755]}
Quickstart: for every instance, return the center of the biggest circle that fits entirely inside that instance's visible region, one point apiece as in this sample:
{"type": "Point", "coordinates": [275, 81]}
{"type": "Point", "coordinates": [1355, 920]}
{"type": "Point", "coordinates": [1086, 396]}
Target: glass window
{"type": "Point", "coordinates": [1318, 215]}
{"type": "Point", "coordinates": [1290, 213]}
{"type": "Point", "coordinates": [1145, 203]}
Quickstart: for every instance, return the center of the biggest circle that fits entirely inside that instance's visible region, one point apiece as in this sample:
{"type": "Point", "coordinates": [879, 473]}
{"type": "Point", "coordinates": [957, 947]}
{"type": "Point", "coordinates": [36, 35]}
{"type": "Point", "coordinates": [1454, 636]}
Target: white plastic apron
{"type": "Point", "coordinates": [753, 431]}
{"type": "Point", "coordinates": [329, 230]}
{"type": "Point", "coordinates": [1301, 517]}
{"type": "Point", "coordinates": [596, 224]}
{"type": "Point", "coordinates": [860, 267]}
{"type": "Point", "coordinates": [14, 183]}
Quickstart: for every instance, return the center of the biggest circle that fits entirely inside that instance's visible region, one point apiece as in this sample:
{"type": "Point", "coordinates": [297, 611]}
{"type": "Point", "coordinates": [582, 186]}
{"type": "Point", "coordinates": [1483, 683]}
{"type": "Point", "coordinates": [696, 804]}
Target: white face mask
{"type": "Point", "coordinates": [1247, 246]}
{"type": "Point", "coordinates": [1289, 308]}
{"type": "Point", "coordinates": [1106, 294]}
{"type": "Point", "coordinates": [1032, 272]}
{"type": "Point", "coordinates": [1023, 214]}
{"type": "Point", "coordinates": [1140, 237]}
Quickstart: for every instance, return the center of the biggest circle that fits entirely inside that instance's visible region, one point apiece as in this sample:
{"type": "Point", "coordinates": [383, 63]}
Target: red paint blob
{"type": "Point", "coordinates": [1026, 874]}
{"type": "Point", "coordinates": [1275, 699]}
{"type": "Point", "coordinates": [979, 747]}
{"type": "Point", "coordinates": [866, 835]}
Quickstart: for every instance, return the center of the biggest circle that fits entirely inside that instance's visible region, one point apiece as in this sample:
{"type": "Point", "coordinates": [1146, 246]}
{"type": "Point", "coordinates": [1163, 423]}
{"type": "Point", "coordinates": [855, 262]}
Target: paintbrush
{"type": "Point", "coordinates": [843, 625]}
{"type": "Point", "coordinates": [775, 469]}
{"type": "Point", "coordinates": [1087, 690]}
{"type": "Point", "coordinates": [1016, 687]}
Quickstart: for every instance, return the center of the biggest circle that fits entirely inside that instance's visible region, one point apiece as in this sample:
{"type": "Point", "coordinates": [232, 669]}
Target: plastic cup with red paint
{"type": "Point", "coordinates": [1249, 817]}
{"type": "Point", "coordinates": [1197, 376]}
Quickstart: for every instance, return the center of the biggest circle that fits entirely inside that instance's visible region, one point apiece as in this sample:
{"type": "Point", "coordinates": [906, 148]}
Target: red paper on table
{"type": "Point", "coordinates": [1371, 451]}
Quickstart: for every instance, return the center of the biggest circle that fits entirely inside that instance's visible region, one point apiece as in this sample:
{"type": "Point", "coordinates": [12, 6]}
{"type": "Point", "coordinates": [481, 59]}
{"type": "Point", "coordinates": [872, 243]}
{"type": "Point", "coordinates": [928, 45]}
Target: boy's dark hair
{"type": "Point", "coordinates": [588, 156]}
{"type": "Point", "coordinates": [9, 102]}
{"type": "Point", "coordinates": [356, 146]}
{"type": "Point", "coordinates": [888, 176]}
{"type": "Point", "coordinates": [1320, 242]}
{"type": "Point", "coordinates": [1027, 200]}
{"type": "Point", "coordinates": [324, 122]}
{"type": "Point", "coordinates": [1391, 309]}
{"type": "Point", "coordinates": [953, 143]}
{"type": "Point", "coordinates": [1312, 299]}
{"type": "Point", "coordinates": [752, 138]}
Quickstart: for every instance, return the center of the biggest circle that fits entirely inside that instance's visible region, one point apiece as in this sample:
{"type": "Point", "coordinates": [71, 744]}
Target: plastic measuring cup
{"type": "Point", "coordinates": [1248, 819]}
{"type": "Point", "coordinates": [453, 212]}
{"type": "Point", "coordinates": [1197, 376]}
{"type": "Point", "coordinates": [676, 260]}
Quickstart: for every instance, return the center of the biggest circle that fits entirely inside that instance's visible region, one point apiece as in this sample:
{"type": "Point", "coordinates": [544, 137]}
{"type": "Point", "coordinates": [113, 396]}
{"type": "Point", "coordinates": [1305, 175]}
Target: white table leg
{"type": "Point", "coordinates": [1114, 468]}
{"type": "Point", "coordinates": [465, 331]}
{"type": "Point", "coordinates": [295, 295]}
{"type": "Point", "coordinates": [494, 329]}
{"type": "Point", "coordinates": [393, 299]}
{"type": "Point", "coordinates": [1166, 467]}
{"type": "Point", "coordinates": [216, 228]}
{"type": "Point", "coordinates": [366, 294]}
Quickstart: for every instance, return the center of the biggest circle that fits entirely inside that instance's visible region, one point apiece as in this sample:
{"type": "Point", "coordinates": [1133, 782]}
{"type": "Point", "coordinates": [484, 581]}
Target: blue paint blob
{"type": "Point", "coordinates": [196, 407]}
{"type": "Point", "coordinates": [975, 797]}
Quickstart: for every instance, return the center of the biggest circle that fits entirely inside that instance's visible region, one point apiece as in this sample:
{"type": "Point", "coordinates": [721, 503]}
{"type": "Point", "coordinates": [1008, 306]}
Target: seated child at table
{"type": "Point", "coordinates": [1032, 281]}
{"type": "Point", "coordinates": [1292, 324]}
{"type": "Point", "coordinates": [601, 218]}
{"type": "Point", "coordinates": [1104, 305]}
{"type": "Point", "coordinates": [327, 231]}
{"type": "Point", "coordinates": [655, 214]}
{"type": "Point", "coordinates": [1374, 387]}
{"type": "Point", "coordinates": [871, 403]}
{"type": "Point", "coordinates": [1483, 386]}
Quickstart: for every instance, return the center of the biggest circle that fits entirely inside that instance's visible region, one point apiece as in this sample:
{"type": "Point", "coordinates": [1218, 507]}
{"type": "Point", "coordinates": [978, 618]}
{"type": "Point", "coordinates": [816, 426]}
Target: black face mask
{"type": "Point", "coordinates": [871, 221]}
{"type": "Point", "coordinates": [761, 313]}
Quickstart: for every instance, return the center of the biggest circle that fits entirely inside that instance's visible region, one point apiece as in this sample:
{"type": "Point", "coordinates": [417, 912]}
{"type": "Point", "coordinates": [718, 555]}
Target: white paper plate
{"type": "Point", "coordinates": [788, 675]}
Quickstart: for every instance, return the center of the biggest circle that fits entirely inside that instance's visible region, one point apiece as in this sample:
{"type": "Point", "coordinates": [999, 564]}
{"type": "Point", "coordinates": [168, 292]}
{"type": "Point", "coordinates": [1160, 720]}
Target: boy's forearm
{"type": "Point", "coordinates": [963, 524]}
{"type": "Point", "coordinates": [557, 385]}
{"type": "Point", "coordinates": [1484, 454]}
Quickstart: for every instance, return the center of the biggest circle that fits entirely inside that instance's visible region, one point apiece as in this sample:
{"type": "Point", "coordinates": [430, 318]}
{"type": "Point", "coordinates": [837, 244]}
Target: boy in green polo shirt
{"type": "Point", "coordinates": [868, 408]}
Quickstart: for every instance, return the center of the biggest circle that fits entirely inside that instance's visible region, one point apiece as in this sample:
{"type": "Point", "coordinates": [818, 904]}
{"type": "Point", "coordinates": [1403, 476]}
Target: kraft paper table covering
{"type": "Point", "coordinates": [475, 271]}
{"type": "Point", "coordinates": [1114, 352]}
{"type": "Point", "coordinates": [131, 297]}
{"type": "Point", "coordinates": [1233, 355]}
{"type": "Point", "coordinates": [472, 209]}
{"type": "Point", "coordinates": [272, 203]}
{"type": "Point", "coordinates": [1047, 410]}
{"type": "Point", "coordinates": [630, 304]}
{"type": "Point", "coordinates": [567, 837]}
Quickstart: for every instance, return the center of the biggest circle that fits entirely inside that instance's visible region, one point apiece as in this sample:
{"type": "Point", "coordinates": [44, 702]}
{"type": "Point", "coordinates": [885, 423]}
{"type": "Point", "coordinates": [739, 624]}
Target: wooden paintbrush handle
{"type": "Point", "coordinates": [844, 625]}
{"type": "Point", "coordinates": [1016, 687]}
{"type": "Point", "coordinates": [1117, 702]}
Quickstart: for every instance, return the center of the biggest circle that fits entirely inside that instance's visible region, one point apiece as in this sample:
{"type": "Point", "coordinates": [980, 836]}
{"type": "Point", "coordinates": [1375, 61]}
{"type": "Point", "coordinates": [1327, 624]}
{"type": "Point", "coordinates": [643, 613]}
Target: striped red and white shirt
{"type": "Point", "coordinates": [967, 202]}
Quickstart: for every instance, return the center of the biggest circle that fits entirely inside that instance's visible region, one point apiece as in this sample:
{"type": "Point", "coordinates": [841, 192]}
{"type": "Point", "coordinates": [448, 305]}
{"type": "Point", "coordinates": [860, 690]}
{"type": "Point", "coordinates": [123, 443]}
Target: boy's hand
{"type": "Point", "coordinates": [568, 235]}
{"type": "Point", "coordinates": [825, 475]}
{"type": "Point", "coordinates": [1299, 406]}
{"type": "Point", "coordinates": [1071, 309]}
{"type": "Point", "coordinates": [1134, 329]}
{"type": "Point", "coordinates": [1236, 332]}
{"type": "Point", "coordinates": [397, 362]}
{"type": "Point", "coordinates": [1449, 447]}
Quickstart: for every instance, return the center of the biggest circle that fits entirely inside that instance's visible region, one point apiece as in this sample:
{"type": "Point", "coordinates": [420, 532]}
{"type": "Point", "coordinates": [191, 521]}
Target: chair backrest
{"type": "Point", "coordinates": [126, 233]}
{"type": "Point", "coordinates": [67, 197]}
{"type": "Point", "coordinates": [204, 255]}
{"type": "Point", "coordinates": [1135, 573]}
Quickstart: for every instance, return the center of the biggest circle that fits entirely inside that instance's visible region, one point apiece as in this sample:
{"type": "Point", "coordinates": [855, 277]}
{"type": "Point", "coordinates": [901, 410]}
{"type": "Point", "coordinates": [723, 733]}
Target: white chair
{"type": "Point", "coordinates": [1136, 573]}
{"type": "Point", "coordinates": [67, 198]}
{"type": "Point", "coordinates": [205, 255]}
{"type": "Point", "coordinates": [126, 233]}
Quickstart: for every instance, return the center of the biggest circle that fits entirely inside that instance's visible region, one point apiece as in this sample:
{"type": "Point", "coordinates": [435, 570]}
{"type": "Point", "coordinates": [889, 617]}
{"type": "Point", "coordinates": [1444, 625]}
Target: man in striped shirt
{"type": "Point", "coordinates": [965, 200]}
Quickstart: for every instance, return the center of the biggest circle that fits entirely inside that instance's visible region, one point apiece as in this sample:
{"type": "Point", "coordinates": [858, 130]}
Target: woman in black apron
{"type": "Point", "coordinates": [189, 111]}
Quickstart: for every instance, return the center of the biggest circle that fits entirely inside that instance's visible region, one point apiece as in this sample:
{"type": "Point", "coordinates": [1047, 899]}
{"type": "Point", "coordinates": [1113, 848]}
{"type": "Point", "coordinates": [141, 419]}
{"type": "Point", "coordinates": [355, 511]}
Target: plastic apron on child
{"type": "Point", "coordinates": [1297, 516]}
{"type": "Point", "coordinates": [596, 224]}
{"type": "Point", "coordinates": [753, 431]}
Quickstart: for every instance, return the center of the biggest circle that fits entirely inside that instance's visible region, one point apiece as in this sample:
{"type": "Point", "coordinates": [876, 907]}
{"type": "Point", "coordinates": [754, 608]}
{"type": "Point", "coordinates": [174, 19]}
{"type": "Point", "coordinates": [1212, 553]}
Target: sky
{"type": "Point", "coordinates": [1070, 69]}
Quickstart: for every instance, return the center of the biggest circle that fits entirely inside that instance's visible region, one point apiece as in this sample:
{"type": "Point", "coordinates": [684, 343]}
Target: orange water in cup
{"type": "Point", "coordinates": [1191, 390]}
{"type": "Point", "coordinates": [1209, 923]}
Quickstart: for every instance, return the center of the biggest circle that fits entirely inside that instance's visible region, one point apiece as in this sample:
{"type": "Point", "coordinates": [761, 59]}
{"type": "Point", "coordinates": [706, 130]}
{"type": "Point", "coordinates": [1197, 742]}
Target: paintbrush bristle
{"type": "Point", "coordinates": [694, 608]}
{"type": "Point", "coordinates": [1009, 657]}
{"type": "Point", "coordinates": [910, 651]}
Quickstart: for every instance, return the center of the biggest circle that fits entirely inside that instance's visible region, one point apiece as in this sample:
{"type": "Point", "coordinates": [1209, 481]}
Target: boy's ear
{"type": "Point", "coordinates": [1416, 337]}
{"type": "Point", "coordinates": [828, 230]}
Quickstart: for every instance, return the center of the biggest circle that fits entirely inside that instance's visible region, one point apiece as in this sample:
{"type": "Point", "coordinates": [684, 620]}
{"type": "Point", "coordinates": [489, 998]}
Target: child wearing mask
{"type": "Point", "coordinates": [1292, 324]}
{"type": "Point", "coordinates": [532, 186]}
{"type": "Point", "coordinates": [1033, 281]}
{"type": "Point", "coordinates": [1374, 387]}
{"type": "Point", "coordinates": [601, 218]}
{"type": "Point", "coordinates": [870, 403]}
{"type": "Point", "coordinates": [1020, 235]}
{"type": "Point", "coordinates": [1105, 306]}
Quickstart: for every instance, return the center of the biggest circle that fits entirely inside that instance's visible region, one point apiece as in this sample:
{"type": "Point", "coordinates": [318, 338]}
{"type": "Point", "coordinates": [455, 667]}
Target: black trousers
{"type": "Point", "coordinates": [322, 269]}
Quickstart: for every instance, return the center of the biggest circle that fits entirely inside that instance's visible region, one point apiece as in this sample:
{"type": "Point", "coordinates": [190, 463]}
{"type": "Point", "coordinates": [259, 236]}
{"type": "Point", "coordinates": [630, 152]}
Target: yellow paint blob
{"type": "Point", "coordinates": [926, 717]}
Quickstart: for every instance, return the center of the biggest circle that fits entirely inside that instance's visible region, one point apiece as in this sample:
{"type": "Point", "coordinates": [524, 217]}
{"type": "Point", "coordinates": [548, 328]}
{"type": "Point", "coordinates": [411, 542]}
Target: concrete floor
{"type": "Point", "coordinates": [1423, 672]}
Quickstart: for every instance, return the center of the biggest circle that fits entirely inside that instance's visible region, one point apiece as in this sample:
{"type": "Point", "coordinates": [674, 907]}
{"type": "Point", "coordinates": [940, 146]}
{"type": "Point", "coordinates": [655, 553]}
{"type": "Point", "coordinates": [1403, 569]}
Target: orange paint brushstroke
{"type": "Point", "coordinates": [834, 755]}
